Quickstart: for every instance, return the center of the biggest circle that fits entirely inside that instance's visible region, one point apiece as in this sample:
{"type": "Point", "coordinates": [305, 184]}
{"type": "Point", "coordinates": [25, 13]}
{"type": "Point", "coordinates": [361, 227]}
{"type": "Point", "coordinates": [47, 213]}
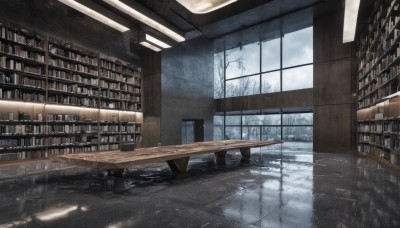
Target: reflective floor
{"type": "Point", "coordinates": [280, 186]}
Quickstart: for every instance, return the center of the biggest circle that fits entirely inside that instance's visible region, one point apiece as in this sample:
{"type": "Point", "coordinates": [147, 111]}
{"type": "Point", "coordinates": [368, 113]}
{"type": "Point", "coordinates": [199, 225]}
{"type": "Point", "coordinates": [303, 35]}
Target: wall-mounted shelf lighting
{"type": "Point", "coordinates": [204, 6]}
{"type": "Point", "coordinates": [350, 20]}
{"type": "Point", "coordinates": [148, 45]}
{"type": "Point", "coordinates": [95, 15]}
{"type": "Point", "coordinates": [145, 19]}
{"type": "Point", "coordinates": [157, 41]}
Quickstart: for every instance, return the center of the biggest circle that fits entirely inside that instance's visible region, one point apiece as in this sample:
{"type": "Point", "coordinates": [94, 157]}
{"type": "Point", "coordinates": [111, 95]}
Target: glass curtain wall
{"type": "Point", "coordinates": [281, 64]}
{"type": "Point", "coordinates": [289, 127]}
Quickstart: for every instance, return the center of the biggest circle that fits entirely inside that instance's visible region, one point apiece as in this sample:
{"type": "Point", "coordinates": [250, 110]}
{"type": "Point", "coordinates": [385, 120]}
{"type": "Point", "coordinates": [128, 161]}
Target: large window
{"type": "Point", "coordinates": [290, 127]}
{"type": "Point", "coordinates": [268, 66]}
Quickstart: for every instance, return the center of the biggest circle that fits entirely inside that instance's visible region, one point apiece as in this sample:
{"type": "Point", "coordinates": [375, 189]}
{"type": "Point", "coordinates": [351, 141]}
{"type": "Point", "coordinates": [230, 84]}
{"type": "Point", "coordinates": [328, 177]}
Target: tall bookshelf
{"type": "Point", "coordinates": [378, 83]}
{"type": "Point", "coordinates": [56, 98]}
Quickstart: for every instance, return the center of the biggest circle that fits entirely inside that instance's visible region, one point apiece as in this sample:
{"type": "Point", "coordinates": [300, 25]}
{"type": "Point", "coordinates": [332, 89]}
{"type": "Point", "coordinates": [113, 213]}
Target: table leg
{"type": "Point", "coordinates": [116, 172]}
{"type": "Point", "coordinates": [245, 152]}
{"type": "Point", "coordinates": [179, 165]}
{"type": "Point", "coordinates": [220, 154]}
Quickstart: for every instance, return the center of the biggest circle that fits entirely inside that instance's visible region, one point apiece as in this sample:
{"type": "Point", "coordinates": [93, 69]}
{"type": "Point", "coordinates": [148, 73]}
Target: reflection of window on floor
{"type": "Point", "coordinates": [289, 127]}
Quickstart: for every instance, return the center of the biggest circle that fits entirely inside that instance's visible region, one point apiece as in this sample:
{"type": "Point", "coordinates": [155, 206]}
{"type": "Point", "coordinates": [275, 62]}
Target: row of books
{"type": "Point", "coordinates": [22, 142]}
{"type": "Point", "coordinates": [73, 77]}
{"type": "Point", "coordinates": [118, 66]}
{"type": "Point", "coordinates": [21, 52]}
{"type": "Point", "coordinates": [22, 80]}
{"type": "Point", "coordinates": [18, 94]}
{"type": "Point", "coordinates": [70, 118]}
{"type": "Point", "coordinates": [12, 64]}
{"type": "Point", "coordinates": [12, 35]}
{"type": "Point", "coordinates": [72, 66]}
{"type": "Point", "coordinates": [72, 55]}
{"type": "Point", "coordinates": [21, 129]}
{"type": "Point", "coordinates": [110, 65]}
{"type": "Point", "coordinates": [71, 140]}
{"type": "Point", "coordinates": [109, 147]}
{"type": "Point", "coordinates": [67, 99]}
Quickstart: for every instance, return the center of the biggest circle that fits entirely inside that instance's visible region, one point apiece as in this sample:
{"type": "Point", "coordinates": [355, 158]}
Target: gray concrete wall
{"type": "Point", "coordinates": [187, 88]}
{"type": "Point", "coordinates": [50, 17]}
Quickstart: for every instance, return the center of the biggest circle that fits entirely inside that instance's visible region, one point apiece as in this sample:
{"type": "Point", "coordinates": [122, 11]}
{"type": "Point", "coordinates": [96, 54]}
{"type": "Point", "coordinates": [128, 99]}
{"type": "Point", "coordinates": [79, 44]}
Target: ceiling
{"type": "Point", "coordinates": [237, 23]}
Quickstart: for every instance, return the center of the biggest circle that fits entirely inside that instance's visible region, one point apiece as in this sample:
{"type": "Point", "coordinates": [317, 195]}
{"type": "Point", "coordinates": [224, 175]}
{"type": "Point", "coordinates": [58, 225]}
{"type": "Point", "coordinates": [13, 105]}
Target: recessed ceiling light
{"type": "Point", "coordinates": [152, 47]}
{"type": "Point", "coordinates": [350, 20]}
{"type": "Point", "coordinates": [144, 19]}
{"type": "Point", "coordinates": [204, 6]}
{"type": "Point", "coordinates": [95, 15]}
{"type": "Point", "coordinates": [157, 41]}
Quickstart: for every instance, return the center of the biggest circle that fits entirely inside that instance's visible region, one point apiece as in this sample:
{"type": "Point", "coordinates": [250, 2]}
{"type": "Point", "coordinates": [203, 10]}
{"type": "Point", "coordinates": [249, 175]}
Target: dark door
{"type": "Point", "coordinates": [192, 131]}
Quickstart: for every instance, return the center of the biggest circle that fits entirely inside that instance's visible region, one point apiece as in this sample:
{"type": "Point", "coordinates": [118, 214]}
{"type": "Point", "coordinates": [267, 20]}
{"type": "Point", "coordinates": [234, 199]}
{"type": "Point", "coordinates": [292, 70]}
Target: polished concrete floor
{"type": "Point", "coordinates": [281, 186]}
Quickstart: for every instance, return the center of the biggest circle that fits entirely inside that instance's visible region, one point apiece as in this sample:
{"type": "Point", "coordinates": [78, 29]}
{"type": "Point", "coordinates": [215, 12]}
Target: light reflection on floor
{"type": "Point", "coordinates": [280, 186]}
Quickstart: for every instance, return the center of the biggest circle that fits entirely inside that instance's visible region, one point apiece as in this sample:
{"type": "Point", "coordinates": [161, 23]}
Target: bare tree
{"type": "Point", "coordinates": [221, 69]}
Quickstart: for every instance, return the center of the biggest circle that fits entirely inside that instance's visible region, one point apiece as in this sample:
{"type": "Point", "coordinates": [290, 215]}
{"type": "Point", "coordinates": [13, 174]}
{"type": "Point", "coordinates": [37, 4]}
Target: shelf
{"type": "Point", "coordinates": [26, 46]}
{"type": "Point", "coordinates": [71, 70]}
{"type": "Point", "coordinates": [70, 47]}
{"type": "Point", "coordinates": [25, 60]}
{"type": "Point", "coordinates": [22, 72]}
{"type": "Point", "coordinates": [111, 70]}
{"type": "Point", "coordinates": [23, 87]}
{"type": "Point", "coordinates": [55, 51]}
{"type": "Point", "coordinates": [51, 78]}
{"type": "Point", "coordinates": [72, 60]}
{"type": "Point", "coordinates": [19, 148]}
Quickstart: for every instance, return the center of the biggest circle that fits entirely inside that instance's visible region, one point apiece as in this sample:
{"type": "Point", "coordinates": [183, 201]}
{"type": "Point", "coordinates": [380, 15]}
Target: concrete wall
{"type": "Point", "coordinates": [332, 95]}
{"type": "Point", "coordinates": [334, 87]}
{"type": "Point", "coordinates": [151, 73]}
{"type": "Point", "coordinates": [50, 17]}
{"type": "Point", "coordinates": [187, 88]}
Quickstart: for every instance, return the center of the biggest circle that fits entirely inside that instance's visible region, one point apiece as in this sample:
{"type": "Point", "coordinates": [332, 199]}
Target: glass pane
{"type": "Point", "coordinates": [253, 119]}
{"type": "Point", "coordinates": [271, 82]}
{"type": "Point", "coordinates": [271, 133]}
{"type": "Point", "coordinates": [297, 47]}
{"type": "Point", "coordinates": [298, 119]}
{"type": "Point", "coordinates": [232, 133]}
{"type": "Point", "coordinates": [219, 75]}
{"type": "Point", "coordinates": [297, 78]}
{"type": "Point", "coordinates": [243, 86]}
{"type": "Point", "coordinates": [271, 57]}
{"type": "Point", "coordinates": [297, 134]}
{"type": "Point", "coordinates": [243, 62]}
{"type": "Point", "coordinates": [218, 132]}
{"type": "Point", "coordinates": [218, 120]}
{"type": "Point", "coordinates": [232, 120]}
{"type": "Point", "coordinates": [274, 119]}
{"type": "Point", "coordinates": [251, 133]}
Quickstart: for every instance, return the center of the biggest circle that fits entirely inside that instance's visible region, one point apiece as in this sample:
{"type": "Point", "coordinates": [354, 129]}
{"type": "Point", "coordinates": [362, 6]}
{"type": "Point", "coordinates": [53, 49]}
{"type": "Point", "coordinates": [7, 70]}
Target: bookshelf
{"type": "Point", "coordinates": [378, 57]}
{"type": "Point", "coordinates": [56, 98]}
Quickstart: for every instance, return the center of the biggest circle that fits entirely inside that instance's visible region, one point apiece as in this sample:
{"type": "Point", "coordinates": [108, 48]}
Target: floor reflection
{"type": "Point", "coordinates": [280, 186]}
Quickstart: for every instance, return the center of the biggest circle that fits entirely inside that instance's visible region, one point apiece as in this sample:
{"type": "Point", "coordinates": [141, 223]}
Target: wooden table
{"type": "Point", "coordinates": [177, 156]}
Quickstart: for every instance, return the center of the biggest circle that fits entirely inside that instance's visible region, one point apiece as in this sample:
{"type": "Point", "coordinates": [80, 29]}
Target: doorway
{"type": "Point", "coordinates": [192, 131]}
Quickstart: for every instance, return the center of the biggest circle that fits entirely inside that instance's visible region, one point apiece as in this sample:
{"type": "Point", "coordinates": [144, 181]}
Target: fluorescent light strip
{"type": "Point", "coordinates": [204, 6]}
{"type": "Point", "coordinates": [152, 47]}
{"type": "Point", "coordinates": [95, 15]}
{"type": "Point", "coordinates": [144, 19]}
{"type": "Point", "coordinates": [157, 41]}
{"type": "Point", "coordinates": [350, 20]}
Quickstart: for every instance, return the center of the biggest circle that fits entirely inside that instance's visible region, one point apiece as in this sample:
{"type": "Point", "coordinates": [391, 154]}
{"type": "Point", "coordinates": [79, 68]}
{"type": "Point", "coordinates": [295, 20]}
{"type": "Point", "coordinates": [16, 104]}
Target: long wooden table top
{"type": "Point", "coordinates": [119, 160]}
